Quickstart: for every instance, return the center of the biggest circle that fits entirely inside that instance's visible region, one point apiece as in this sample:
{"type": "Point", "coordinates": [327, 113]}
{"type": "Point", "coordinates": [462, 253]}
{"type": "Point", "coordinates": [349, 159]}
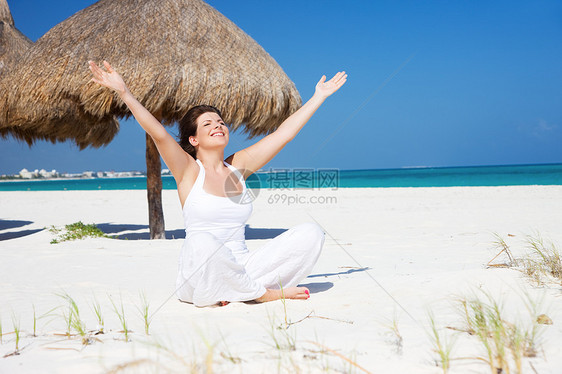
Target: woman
{"type": "Point", "coordinates": [215, 265]}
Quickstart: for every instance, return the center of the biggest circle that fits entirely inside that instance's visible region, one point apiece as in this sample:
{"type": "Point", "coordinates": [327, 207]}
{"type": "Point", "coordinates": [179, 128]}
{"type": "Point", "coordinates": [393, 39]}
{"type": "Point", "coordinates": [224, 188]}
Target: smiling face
{"type": "Point", "coordinates": [211, 132]}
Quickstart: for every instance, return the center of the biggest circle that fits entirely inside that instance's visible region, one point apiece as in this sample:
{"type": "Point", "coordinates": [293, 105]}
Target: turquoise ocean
{"type": "Point", "coordinates": [512, 175]}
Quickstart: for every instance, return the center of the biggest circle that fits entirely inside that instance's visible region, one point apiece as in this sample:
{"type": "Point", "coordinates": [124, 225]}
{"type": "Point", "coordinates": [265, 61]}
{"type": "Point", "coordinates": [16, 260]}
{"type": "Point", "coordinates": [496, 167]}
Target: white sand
{"type": "Point", "coordinates": [424, 246]}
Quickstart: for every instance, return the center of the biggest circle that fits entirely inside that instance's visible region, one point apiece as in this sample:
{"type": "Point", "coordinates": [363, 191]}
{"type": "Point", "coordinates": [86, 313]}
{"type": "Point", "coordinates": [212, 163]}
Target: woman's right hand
{"type": "Point", "coordinates": [110, 78]}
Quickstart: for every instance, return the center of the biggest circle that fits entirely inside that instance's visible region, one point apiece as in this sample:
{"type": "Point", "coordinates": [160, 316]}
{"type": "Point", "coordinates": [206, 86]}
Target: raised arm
{"type": "Point", "coordinates": [177, 160]}
{"type": "Point", "coordinates": [257, 155]}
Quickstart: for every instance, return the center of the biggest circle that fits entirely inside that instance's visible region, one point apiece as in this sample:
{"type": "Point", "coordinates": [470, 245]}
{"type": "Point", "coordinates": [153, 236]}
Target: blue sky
{"type": "Point", "coordinates": [439, 83]}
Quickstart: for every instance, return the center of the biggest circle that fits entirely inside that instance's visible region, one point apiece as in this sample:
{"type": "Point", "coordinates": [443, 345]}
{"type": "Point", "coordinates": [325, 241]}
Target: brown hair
{"type": "Point", "coordinates": [188, 126]}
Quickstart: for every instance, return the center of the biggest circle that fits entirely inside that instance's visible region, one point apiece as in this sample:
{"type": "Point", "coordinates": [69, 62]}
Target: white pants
{"type": "Point", "coordinates": [209, 272]}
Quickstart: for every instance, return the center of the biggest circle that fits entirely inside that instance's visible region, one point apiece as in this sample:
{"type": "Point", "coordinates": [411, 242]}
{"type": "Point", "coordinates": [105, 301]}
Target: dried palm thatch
{"type": "Point", "coordinates": [173, 54]}
{"type": "Point", "coordinates": [5, 15]}
{"type": "Point", "coordinates": [13, 46]}
{"type": "Point", "coordinates": [12, 42]}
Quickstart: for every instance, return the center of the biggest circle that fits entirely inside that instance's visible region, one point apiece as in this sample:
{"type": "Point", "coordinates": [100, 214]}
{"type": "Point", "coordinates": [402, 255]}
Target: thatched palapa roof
{"type": "Point", "coordinates": [13, 46]}
{"type": "Point", "coordinates": [12, 42]}
{"type": "Point", "coordinates": [173, 54]}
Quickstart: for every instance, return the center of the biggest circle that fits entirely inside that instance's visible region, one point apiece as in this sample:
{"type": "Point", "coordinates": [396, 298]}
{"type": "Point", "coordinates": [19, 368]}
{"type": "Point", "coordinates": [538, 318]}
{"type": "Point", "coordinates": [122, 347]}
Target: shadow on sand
{"type": "Point", "coordinates": [350, 271]}
{"type": "Point", "coordinates": [123, 232]}
{"type": "Point", "coordinates": [259, 233]}
{"type": "Point", "coordinates": [324, 286]}
{"type": "Point", "coordinates": [12, 224]}
{"type": "Point", "coordinates": [17, 234]}
{"type": "Point", "coordinates": [317, 287]}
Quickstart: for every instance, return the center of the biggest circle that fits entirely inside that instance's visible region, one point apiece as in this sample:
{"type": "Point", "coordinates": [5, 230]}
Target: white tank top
{"type": "Point", "coordinates": [223, 217]}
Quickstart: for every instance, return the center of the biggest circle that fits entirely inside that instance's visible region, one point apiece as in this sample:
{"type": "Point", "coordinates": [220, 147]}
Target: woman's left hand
{"type": "Point", "coordinates": [325, 89]}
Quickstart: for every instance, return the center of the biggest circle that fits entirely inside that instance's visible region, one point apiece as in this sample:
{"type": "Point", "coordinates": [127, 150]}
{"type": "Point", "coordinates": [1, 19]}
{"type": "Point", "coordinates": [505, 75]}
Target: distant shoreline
{"type": "Point", "coordinates": [278, 169]}
{"type": "Point", "coordinates": [69, 179]}
{"type": "Point", "coordinates": [297, 179]}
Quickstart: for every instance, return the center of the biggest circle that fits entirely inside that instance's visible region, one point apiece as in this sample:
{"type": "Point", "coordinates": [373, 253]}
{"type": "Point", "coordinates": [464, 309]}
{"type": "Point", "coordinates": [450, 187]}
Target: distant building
{"type": "Point", "coordinates": [165, 172]}
{"type": "Point", "coordinates": [71, 175]}
{"type": "Point", "coordinates": [25, 174]}
{"type": "Point", "coordinates": [48, 174]}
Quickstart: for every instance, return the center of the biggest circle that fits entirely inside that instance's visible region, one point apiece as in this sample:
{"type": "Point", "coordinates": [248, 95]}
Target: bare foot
{"type": "Point", "coordinates": [300, 293]}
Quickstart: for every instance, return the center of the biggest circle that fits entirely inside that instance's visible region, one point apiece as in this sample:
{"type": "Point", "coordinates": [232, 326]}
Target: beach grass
{"type": "Point", "coordinates": [396, 338]}
{"type": "Point", "coordinates": [78, 325]}
{"type": "Point", "coordinates": [68, 321]}
{"type": "Point", "coordinates": [209, 355]}
{"type": "Point", "coordinates": [227, 353]}
{"type": "Point", "coordinates": [75, 231]}
{"type": "Point", "coordinates": [145, 312]}
{"type": "Point", "coordinates": [545, 259]}
{"type": "Point", "coordinates": [99, 316]}
{"type": "Point", "coordinates": [501, 246]}
{"type": "Point", "coordinates": [284, 302]}
{"type": "Point", "coordinates": [504, 342]}
{"type": "Point", "coordinates": [352, 362]}
{"type": "Point", "coordinates": [162, 347]}
{"type": "Point", "coordinates": [283, 339]}
{"type": "Point", "coordinates": [17, 331]}
{"type": "Point", "coordinates": [34, 321]}
{"type": "Point", "coordinates": [73, 321]}
{"type": "Point", "coordinates": [533, 270]}
{"type": "Point", "coordinates": [120, 312]}
{"type": "Point", "coordinates": [67, 316]}
{"type": "Point", "coordinates": [135, 366]}
{"type": "Point", "coordinates": [37, 318]}
{"type": "Point", "coordinates": [542, 263]}
{"type": "Point", "coordinates": [442, 344]}
{"type": "Point", "coordinates": [202, 359]}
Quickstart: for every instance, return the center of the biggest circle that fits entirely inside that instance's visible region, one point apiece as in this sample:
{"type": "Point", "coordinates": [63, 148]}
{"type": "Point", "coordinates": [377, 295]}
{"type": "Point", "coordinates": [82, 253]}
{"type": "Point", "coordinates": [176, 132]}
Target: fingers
{"type": "Point", "coordinates": [96, 71]}
{"type": "Point", "coordinates": [101, 76]}
{"type": "Point", "coordinates": [107, 66]}
{"type": "Point", "coordinates": [93, 67]}
{"type": "Point", "coordinates": [339, 77]}
{"type": "Point", "coordinates": [327, 88]}
{"type": "Point", "coordinates": [342, 80]}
